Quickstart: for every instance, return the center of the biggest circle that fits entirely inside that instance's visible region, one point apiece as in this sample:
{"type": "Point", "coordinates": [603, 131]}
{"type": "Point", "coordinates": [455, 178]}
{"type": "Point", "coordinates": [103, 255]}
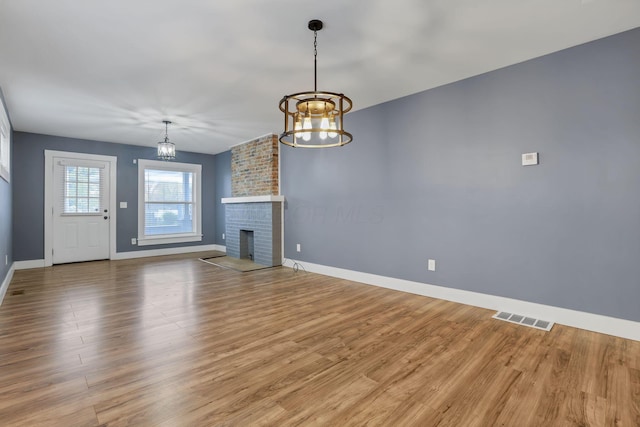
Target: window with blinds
{"type": "Point", "coordinates": [168, 204]}
{"type": "Point", "coordinates": [169, 198]}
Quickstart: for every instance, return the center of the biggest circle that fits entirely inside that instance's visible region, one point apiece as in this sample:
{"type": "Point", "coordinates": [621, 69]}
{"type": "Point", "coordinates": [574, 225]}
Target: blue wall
{"type": "Point", "coordinates": [28, 200]}
{"type": "Point", "coordinates": [5, 215]}
{"type": "Point", "coordinates": [223, 189]}
{"type": "Point", "coordinates": [438, 175]}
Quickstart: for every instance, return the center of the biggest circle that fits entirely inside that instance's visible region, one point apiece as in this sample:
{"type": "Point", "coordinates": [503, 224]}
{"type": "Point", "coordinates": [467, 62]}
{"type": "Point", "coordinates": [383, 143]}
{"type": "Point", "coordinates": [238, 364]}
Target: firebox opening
{"type": "Point", "coordinates": [246, 245]}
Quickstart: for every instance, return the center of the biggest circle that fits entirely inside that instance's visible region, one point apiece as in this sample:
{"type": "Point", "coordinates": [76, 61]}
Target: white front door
{"type": "Point", "coordinates": [81, 217]}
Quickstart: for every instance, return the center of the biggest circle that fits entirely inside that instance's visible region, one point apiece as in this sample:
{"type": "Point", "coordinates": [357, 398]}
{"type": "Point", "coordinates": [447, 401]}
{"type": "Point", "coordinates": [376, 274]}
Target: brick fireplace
{"type": "Point", "coordinates": [253, 215]}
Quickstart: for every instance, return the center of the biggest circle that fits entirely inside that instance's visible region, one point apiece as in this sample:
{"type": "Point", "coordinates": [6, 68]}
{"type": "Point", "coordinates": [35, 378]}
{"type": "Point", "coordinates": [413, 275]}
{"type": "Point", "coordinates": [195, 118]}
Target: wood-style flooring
{"type": "Point", "coordinates": [174, 341]}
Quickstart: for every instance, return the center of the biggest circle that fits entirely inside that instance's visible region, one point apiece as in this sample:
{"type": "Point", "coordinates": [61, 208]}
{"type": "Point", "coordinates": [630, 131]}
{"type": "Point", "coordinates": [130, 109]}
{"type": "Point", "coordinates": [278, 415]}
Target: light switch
{"type": "Point", "coordinates": [123, 205]}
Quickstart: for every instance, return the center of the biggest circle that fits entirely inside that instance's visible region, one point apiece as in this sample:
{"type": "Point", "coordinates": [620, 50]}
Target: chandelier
{"type": "Point", "coordinates": [166, 149]}
{"type": "Point", "coordinates": [315, 119]}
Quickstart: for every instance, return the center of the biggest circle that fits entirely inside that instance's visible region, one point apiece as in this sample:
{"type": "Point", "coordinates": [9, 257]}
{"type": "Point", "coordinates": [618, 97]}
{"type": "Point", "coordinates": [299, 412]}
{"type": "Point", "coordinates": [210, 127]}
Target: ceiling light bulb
{"type": "Point", "coordinates": [324, 124]}
{"type": "Point", "coordinates": [298, 126]}
{"type": "Point", "coordinates": [332, 126]}
{"type": "Point", "coordinates": [307, 125]}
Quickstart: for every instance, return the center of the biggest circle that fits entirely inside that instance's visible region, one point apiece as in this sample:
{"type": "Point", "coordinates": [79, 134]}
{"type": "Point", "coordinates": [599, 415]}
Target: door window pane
{"type": "Point", "coordinates": [82, 189]}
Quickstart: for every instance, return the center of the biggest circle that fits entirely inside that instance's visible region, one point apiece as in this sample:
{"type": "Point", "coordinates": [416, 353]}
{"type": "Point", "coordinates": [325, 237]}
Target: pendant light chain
{"type": "Point", "coordinates": [315, 61]}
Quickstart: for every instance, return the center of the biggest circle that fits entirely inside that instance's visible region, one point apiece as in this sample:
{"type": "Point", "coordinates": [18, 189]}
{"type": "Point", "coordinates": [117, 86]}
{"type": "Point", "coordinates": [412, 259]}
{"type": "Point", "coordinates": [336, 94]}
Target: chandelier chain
{"type": "Point", "coordinates": [315, 44]}
{"type": "Point", "coordinates": [315, 61]}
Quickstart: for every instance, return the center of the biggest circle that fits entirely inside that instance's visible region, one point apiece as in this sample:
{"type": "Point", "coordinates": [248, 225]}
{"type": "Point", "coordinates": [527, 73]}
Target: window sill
{"type": "Point", "coordinates": [167, 240]}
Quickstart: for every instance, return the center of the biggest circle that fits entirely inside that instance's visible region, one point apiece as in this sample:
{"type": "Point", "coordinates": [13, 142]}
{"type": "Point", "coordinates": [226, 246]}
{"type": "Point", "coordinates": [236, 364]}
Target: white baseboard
{"type": "Point", "coordinates": [6, 282]}
{"type": "Point", "coordinates": [25, 265]}
{"type": "Point", "coordinates": [168, 251]}
{"type": "Point", "coordinates": [40, 263]}
{"type": "Point", "coordinates": [578, 319]}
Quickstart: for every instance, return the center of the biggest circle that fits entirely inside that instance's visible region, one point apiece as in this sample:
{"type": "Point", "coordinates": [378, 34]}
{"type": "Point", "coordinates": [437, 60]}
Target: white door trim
{"type": "Point", "coordinates": [49, 198]}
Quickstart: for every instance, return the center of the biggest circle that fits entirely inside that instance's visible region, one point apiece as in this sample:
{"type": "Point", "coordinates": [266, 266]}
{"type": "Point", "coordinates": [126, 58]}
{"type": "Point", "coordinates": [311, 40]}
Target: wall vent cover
{"type": "Point", "coordinates": [545, 325]}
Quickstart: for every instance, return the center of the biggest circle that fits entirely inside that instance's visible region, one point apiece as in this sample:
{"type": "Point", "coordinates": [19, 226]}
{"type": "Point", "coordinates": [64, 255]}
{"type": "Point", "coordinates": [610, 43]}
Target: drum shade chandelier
{"type": "Point", "coordinates": [315, 119]}
{"type": "Point", "coordinates": [166, 149]}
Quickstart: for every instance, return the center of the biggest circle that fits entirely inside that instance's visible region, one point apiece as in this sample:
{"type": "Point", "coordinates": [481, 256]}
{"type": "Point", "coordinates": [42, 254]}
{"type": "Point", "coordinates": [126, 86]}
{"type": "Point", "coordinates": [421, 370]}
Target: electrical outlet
{"type": "Point", "coordinates": [222, 236]}
{"type": "Point", "coordinates": [134, 241]}
{"type": "Point", "coordinates": [431, 265]}
{"type": "Point", "coordinates": [298, 247]}
{"type": "Point", "coordinates": [529, 159]}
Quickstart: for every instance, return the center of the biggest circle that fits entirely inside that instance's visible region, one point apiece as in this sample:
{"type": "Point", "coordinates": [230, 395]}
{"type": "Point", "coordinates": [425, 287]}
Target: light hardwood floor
{"type": "Point", "coordinates": [173, 341]}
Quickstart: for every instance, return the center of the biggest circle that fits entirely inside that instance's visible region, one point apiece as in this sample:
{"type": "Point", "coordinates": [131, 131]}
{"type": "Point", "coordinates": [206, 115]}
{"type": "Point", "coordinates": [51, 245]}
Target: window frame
{"type": "Point", "coordinates": [170, 238]}
{"type": "Point", "coordinates": [5, 144]}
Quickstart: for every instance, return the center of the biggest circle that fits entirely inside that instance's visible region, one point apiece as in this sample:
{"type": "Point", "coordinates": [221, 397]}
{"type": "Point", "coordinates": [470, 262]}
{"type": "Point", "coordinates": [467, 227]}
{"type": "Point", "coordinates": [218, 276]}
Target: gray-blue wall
{"type": "Point", "coordinates": [223, 189]}
{"type": "Point", "coordinates": [28, 197]}
{"type": "Point", "coordinates": [5, 215]}
{"type": "Point", "coordinates": [438, 175]}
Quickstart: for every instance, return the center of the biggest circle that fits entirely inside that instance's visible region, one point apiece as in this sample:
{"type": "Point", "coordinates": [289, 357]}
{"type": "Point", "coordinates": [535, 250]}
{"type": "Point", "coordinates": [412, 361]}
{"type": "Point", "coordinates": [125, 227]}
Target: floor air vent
{"type": "Point", "coordinates": [545, 325]}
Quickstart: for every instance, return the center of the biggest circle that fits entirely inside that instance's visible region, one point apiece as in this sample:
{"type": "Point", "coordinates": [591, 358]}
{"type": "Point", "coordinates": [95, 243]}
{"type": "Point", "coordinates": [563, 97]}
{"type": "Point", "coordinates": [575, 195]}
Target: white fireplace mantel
{"type": "Point", "coordinates": [252, 199]}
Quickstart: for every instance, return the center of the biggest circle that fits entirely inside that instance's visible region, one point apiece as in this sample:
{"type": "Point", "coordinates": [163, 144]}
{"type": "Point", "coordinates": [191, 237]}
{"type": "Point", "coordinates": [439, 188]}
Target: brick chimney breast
{"type": "Point", "coordinates": [254, 167]}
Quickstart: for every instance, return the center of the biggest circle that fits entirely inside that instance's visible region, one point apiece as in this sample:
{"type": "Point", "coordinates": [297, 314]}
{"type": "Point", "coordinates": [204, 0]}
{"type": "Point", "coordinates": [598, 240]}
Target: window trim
{"type": "Point", "coordinates": [5, 144]}
{"type": "Point", "coordinates": [166, 239]}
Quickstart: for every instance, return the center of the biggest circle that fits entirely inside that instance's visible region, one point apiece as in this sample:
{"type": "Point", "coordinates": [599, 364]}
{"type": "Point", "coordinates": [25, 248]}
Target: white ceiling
{"type": "Point", "coordinates": [112, 70]}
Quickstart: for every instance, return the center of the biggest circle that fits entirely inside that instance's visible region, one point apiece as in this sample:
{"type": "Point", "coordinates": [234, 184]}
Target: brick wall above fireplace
{"type": "Point", "coordinates": [254, 167]}
{"type": "Point", "coordinates": [255, 209]}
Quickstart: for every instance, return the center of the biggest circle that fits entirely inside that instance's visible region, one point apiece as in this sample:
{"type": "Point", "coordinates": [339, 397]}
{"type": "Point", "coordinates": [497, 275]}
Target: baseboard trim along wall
{"type": "Point", "coordinates": [6, 281]}
{"type": "Point", "coordinates": [33, 263]}
{"type": "Point", "coordinates": [40, 263]}
{"type": "Point", "coordinates": [592, 322]}
{"type": "Point", "coordinates": [168, 251]}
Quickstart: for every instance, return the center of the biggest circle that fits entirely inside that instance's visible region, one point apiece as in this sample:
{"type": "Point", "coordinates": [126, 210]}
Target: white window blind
{"type": "Point", "coordinates": [168, 202]}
